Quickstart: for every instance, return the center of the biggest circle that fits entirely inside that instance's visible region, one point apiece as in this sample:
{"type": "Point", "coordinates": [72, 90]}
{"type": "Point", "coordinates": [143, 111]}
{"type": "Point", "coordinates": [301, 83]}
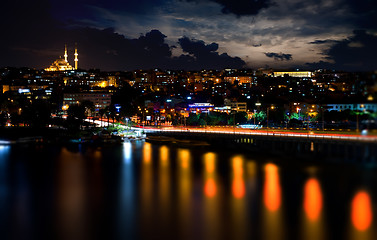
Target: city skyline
{"type": "Point", "coordinates": [193, 35]}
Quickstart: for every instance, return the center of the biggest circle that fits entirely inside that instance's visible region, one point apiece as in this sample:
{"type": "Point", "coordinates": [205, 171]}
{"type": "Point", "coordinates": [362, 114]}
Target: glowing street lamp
{"type": "Point", "coordinates": [272, 108]}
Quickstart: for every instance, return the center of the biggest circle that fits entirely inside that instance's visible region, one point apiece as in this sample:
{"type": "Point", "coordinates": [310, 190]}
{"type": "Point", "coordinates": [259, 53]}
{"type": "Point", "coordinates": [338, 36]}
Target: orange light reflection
{"type": "Point", "coordinates": [147, 152]}
{"type": "Point", "coordinates": [164, 155]}
{"type": "Point", "coordinates": [210, 188]}
{"type": "Point", "coordinates": [312, 199]}
{"type": "Point", "coordinates": [184, 155]}
{"type": "Point", "coordinates": [361, 211]}
{"type": "Point", "coordinates": [238, 185]}
{"type": "Point", "coordinates": [272, 191]}
{"type": "Point", "coordinates": [210, 162]}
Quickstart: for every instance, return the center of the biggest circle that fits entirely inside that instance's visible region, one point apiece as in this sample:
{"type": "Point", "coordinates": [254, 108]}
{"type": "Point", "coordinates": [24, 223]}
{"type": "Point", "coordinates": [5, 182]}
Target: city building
{"type": "Point", "coordinates": [370, 107]}
{"type": "Point", "coordinates": [240, 79]}
{"type": "Point", "coordinates": [201, 107]}
{"type": "Point", "coordinates": [299, 74]}
{"type": "Point", "coordinates": [239, 106]}
{"type": "Point", "coordinates": [99, 99]}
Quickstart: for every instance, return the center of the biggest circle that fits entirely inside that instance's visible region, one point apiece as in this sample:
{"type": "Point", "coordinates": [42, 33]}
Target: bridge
{"type": "Point", "coordinates": [317, 146]}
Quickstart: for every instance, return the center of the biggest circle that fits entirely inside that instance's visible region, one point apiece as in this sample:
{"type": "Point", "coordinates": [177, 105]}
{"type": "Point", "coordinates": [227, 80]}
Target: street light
{"type": "Point", "coordinates": [268, 108]}
{"type": "Point", "coordinates": [287, 120]}
{"type": "Point", "coordinates": [357, 118]}
{"type": "Point", "coordinates": [323, 119]}
{"type": "Point", "coordinates": [311, 111]}
{"type": "Point", "coordinates": [127, 124]}
{"type": "Point", "coordinates": [255, 112]}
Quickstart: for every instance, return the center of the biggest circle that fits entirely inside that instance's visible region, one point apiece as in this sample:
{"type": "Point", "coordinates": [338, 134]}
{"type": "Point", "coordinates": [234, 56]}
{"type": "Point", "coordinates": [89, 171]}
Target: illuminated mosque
{"type": "Point", "coordinates": [61, 64]}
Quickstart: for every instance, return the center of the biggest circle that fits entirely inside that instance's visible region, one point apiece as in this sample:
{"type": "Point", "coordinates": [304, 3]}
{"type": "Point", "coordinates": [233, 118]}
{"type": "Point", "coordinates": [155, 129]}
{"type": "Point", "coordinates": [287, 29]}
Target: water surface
{"type": "Point", "coordinates": [139, 190]}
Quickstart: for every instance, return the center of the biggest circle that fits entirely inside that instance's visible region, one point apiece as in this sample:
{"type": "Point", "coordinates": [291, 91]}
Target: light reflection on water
{"type": "Point", "coordinates": [211, 206]}
{"type": "Point", "coordinates": [362, 216]}
{"type": "Point", "coordinates": [238, 206]}
{"type": "Point", "coordinates": [71, 194]}
{"type": "Point", "coordinates": [272, 212]}
{"type": "Point", "coordinates": [313, 222]}
{"type": "Point", "coordinates": [164, 187]}
{"type": "Point", "coordinates": [4, 186]}
{"type": "Point", "coordinates": [210, 188]}
{"type": "Point", "coordinates": [145, 191]}
{"type": "Point", "coordinates": [127, 202]}
{"type": "Point", "coordinates": [184, 188]}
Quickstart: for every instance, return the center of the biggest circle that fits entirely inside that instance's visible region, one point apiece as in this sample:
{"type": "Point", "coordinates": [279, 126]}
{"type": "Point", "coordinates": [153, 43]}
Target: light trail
{"type": "Point", "coordinates": [251, 132]}
{"type": "Point", "coordinates": [235, 131]}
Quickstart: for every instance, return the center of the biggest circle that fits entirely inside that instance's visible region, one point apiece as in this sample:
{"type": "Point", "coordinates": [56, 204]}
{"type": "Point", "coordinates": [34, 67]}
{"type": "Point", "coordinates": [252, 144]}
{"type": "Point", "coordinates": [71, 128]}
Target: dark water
{"type": "Point", "coordinates": [142, 191]}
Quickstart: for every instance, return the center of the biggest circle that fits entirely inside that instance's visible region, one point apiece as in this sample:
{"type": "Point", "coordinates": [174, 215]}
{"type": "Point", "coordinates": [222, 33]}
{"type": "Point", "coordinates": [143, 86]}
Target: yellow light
{"type": "Point", "coordinates": [65, 107]}
{"type": "Point", "coordinates": [103, 84]}
{"type": "Point", "coordinates": [210, 162]}
{"type": "Point", "coordinates": [210, 188]}
{"type": "Point", "coordinates": [164, 154]}
{"type": "Point", "coordinates": [184, 155]}
{"type": "Point", "coordinates": [147, 153]}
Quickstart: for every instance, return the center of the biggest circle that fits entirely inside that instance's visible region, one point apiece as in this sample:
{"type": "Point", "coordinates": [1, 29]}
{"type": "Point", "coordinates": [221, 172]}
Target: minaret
{"type": "Point", "coordinates": [65, 53]}
{"type": "Point", "coordinates": [76, 57]}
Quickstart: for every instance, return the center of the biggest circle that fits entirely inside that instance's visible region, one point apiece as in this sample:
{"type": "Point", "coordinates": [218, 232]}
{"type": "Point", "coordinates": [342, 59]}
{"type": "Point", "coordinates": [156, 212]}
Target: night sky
{"type": "Point", "coordinates": [191, 34]}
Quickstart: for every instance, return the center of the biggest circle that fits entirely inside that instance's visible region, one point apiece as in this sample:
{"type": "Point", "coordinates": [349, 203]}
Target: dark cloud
{"type": "Point", "coordinates": [196, 47]}
{"type": "Point", "coordinates": [319, 65]}
{"type": "Point", "coordinates": [240, 7]}
{"type": "Point", "coordinates": [279, 56]}
{"type": "Point", "coordinates": [365, 12]}
{"type": "Point", "coordinates": [243, 7]}
{"type": "Point", "coordinates": [109, 50]}
{"type": "Point", "coordinates": [323, 41]}
{"type": "Point", "coordinates": [34, 36]}
{"type": "Point", "coordinates": [206, 56]}
{"type": "Point", "coordinates": [356, 53]}
{"type": "Point", "coordinates": [34, 33]}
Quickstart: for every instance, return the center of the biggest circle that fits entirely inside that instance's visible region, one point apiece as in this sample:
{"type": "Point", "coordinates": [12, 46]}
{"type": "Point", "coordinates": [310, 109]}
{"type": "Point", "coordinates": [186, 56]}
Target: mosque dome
{"type": "Point", "coordinates": [61, 64]}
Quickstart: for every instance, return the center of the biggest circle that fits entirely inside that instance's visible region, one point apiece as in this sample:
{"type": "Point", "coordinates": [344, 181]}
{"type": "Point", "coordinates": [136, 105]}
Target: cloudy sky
{"type": "Point", "coordinates": [192, 34]}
